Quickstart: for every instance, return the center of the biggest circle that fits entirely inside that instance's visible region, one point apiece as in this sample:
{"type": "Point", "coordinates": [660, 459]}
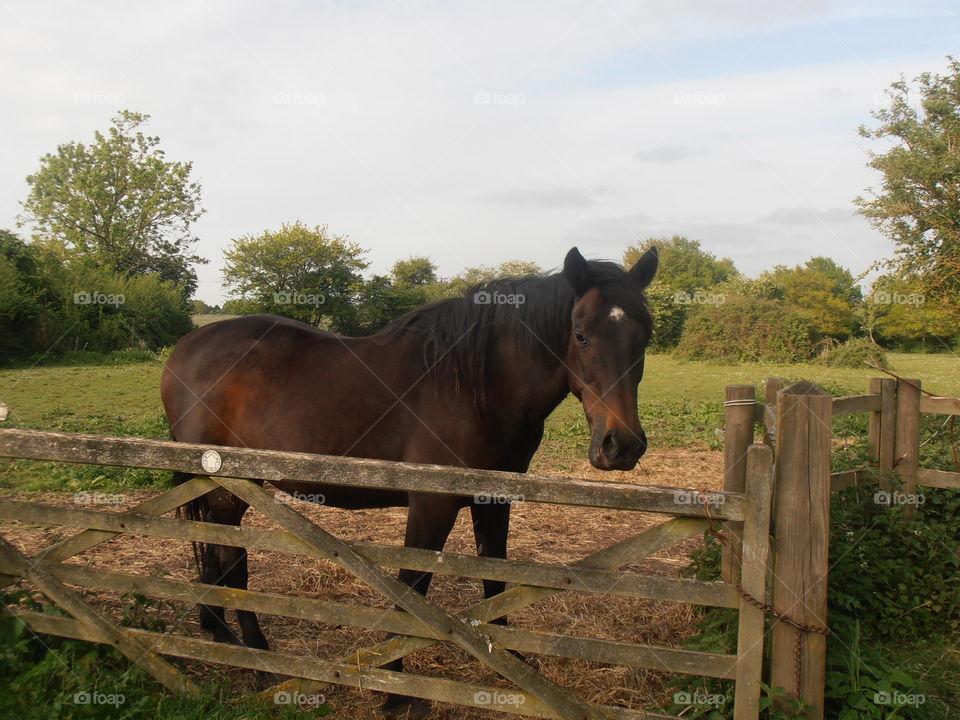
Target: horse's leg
{"type": "Point", "coordinates": [490, 526]}
{"type": "Point", "coordinates": [225, 566]}
{"type": "Point", "coordinates": [429, 521]}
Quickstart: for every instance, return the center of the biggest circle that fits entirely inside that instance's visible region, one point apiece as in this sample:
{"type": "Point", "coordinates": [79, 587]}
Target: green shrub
{"type": "Point", "coordinates": [747, 330]}
{"type": "Point", "coordinates": [44, 676]}
{"type": "Point", "coordinates": [893, 595]}
{"type": "Point", "coordinates": [101, 311]}
{"type": "Point", "coordinates": [854, 353]}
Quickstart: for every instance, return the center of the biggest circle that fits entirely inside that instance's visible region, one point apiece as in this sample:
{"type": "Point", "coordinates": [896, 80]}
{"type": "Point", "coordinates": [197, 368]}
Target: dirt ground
{"type": "Point", "coordinates": [542, 533]}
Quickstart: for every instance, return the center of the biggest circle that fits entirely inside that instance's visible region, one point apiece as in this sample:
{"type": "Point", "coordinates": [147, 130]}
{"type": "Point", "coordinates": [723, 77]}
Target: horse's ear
{"type": "Point", "coordinates": [646, 267]}
{"type": "Point", "coordinates": [577, 272]}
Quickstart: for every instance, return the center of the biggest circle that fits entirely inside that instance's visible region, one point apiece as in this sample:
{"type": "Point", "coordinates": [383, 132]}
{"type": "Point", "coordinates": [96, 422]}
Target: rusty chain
{"type": "Point", "coordinates": [799, 627]}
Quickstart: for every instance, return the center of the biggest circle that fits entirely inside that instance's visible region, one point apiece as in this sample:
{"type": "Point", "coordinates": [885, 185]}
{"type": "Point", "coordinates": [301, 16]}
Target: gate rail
{"type": "Point", "coordinates": [421, 623]}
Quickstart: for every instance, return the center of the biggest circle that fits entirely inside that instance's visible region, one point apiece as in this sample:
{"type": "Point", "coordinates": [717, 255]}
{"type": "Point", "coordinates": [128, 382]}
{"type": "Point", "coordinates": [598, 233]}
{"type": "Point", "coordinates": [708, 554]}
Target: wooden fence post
{"type": "Point", "coordinates": [739, 415]}
{"type": "Point", "coordinates": [883, 427]}
{"type": "Point", "coordinates": [802, 527]}
{"type": "Point", "coordinates": [756, 549]}
{"type": "Point", "coordinates": [771, 388]}
{"type": "Point", "coordinates": [907, 441]}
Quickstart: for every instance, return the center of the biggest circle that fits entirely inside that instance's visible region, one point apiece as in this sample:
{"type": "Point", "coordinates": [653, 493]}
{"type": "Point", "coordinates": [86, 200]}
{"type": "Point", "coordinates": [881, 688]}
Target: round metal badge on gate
{"type": "Point", "coordinates": [211, 461]}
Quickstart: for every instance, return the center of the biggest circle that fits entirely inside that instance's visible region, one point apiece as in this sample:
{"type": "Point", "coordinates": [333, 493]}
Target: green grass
{"type": "Point", "coordinates": [206, 318]}
{"type": "Point", "coordinates": [680, 406]}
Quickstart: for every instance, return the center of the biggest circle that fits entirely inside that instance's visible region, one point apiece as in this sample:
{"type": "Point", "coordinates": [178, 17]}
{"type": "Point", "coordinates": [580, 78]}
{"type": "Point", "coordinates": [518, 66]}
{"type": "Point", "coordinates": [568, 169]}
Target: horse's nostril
{"type": "Point", "coordinates": [609, 446]}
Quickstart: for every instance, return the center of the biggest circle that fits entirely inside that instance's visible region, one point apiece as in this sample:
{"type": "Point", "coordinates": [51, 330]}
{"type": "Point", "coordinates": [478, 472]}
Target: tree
{"type": "Point", "coordinates": [822, 291]}
{"type": "Point", "coordinates": [918, 202]}
{"type": "Point", "coordinates": [119, 204]}
{"type": "Point", "coordinates": [685, 273]}
{"type": "Point", "coordinates": [297, 271]}
{"type": "Point", "coordinates": [684, 265]}
{"type": "Point", "coordinates": [899, 312]}
{"type": "Point", "coordinates": [24, 300]}
{"type": "Point", "coordinates": [471, 276]}
{"type": "Point", "coordinates": [415, 271]}
{"type": "Point", "coordinates": [50, 305]}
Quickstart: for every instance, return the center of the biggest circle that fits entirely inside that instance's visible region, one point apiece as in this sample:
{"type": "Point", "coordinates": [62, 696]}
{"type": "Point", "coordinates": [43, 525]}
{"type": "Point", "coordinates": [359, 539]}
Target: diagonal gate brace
{"type": "Point", "coordinates": [566, 704]}
{"type": "Point", "coordinates": [628, 550]}
{"type": "Point", "coordinates": [68, 599]}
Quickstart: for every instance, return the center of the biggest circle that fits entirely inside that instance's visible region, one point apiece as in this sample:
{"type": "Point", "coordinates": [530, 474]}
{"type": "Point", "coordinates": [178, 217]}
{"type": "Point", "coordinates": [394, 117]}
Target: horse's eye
{"type": "Point", "coordinates": [581, 338]}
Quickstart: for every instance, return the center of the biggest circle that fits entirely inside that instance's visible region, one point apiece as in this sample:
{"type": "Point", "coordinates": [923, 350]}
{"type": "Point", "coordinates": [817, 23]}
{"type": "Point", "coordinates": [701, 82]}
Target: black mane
{"type": "Point", "coordinates": [460, 333]}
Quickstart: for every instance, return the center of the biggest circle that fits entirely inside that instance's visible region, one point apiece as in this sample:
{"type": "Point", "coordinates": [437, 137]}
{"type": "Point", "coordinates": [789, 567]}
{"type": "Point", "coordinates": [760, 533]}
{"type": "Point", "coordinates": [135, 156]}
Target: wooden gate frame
{"type": "Point", "coordinates": [797, 423]}
{"type": "Point", "coordinates": [423, 623]}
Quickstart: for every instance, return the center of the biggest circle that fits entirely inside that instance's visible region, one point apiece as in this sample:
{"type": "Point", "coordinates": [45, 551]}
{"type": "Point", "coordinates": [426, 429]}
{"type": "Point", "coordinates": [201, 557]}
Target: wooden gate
{"type": "Point", "coordinates": [421, 623]}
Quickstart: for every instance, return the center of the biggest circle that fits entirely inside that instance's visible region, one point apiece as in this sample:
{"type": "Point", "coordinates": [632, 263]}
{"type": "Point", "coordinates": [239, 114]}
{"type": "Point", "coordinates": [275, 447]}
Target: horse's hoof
{"type": "Point", "coordinates": [401, 707]}
{"type": "Point", "coordinates": [265, 680]}
{"type": "Point", "coordinates": [225, 635]}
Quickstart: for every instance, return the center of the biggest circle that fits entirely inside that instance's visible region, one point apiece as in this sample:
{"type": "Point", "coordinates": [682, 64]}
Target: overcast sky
{"type": "Point", "coordinates": [480, 132]}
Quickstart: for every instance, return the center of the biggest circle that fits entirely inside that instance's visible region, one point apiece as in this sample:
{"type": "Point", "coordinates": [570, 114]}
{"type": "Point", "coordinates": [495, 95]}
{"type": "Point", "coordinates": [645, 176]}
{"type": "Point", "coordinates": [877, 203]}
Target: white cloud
{"type": "Point", "coordinates": [389, 144]}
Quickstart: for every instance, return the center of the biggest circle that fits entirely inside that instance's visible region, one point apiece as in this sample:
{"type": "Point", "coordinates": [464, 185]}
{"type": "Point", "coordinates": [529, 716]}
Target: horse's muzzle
{"type": "Point", "coordinates": [617, 449]}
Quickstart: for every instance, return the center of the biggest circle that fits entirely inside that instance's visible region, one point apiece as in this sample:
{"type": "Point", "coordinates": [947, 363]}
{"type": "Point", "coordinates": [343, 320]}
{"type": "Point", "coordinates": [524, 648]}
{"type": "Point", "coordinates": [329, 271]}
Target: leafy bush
{"type": "Point", "coordinates": [51, 305]}
{"type": "Point", "coordinates": [102, 311]}
{"type": "Point", "coordinates": [854, 353]}
{"type": "Point", "coordinates": [893, 582]}
{"type": "Point", "coordinates": [44, 677]}
{"type": "Point", "coordinates": [747, 330]}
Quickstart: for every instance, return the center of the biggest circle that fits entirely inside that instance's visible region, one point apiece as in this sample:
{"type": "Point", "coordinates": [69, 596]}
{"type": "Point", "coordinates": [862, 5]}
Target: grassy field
{"type": "Point", "coordinates": [680, 408]}
{"type": "Point", "coordinates": [103, 399]}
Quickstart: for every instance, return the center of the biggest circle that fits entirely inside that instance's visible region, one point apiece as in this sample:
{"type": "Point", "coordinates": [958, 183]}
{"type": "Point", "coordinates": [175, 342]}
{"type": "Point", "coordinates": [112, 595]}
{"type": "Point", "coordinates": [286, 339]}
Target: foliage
{"type": "Point", "coordinates": [821, 291]}
{"type": "Point", "coordinates": [24, 299]}
{"type": "Point", "coordinates": [299, 272]}
{"type": "Point", "coordinates": [416, 271]}
{"type": "Point", "coordinates": [918, 202]}
{"type": "Point", "coordinates": [684, 265]}
{"type": "Point", "coordinates": [52, 677]}
{"type": "Point", "coordinates": [669, 316]}
{"type": "Point", "coordinates": [460, 284]}
{"type": "Point", "coordinates": [685, 270]}
{"type": "Point", "coordinates": [892, 583]}
{"type": "Point", "coordinates": [51, 306]}
{"type": "Point", "coordinates": [119, 204]}
{"type": "Point", "coordinates": [898, 311]}
{"type": "Point", "coordinates": [854, 353]}
{"type": "Point", "coordinates": [742, 330]}
{"type": "Point", "coordinates": [761, 288]}
{"type": "Point", "coordinates": [103, 311]}
{"type": "Point", "coordinates": [199, 307]}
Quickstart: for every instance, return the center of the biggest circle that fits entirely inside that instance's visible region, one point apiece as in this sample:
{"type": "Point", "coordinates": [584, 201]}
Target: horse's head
{"type": "Point", "coordinates": [608, 338]}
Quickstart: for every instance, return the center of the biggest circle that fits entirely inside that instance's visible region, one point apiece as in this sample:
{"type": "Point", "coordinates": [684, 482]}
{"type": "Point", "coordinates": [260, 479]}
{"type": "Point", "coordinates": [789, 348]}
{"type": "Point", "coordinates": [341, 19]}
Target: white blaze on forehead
{"type": "Point", "coordinates": [616, 313]}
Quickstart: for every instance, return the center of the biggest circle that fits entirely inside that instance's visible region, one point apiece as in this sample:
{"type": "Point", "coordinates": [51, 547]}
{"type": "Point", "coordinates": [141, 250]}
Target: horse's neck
{"type": "Point", "coordinates": [533, 383]}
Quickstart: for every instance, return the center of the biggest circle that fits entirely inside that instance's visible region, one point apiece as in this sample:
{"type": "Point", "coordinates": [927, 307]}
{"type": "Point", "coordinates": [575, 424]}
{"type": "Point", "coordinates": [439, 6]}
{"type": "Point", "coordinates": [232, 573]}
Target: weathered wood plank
{"type": "Point", "coordinates": [524, 641]}
{"type": "Point", "coordinates": [847, 478]}
{"type": "Point", "coordinates": [938, 478]}
{"type": "Point", "coordinates": [802, 488]}
{"type": "Point", "coordinates": [508, 700]}
{"type": "Point", "coordinates": [756, 550]}
{"type": "Point", "coordinates": [583, 579]}
{"type": "Point", "coordinates": [936, 405]}
{"type": "Point", "coordinates": [772, 386]}
{"type": "Point", "coordinates": [908, 439]}
{"type": "Point", "coordinates": [465, 636]}
{"type": "Point", "coordinates": [883, 427]}
{"type": "Point", "coordinates": [851, 404]}
{"type": "Point", "coordinates": [139, 653]}
{"type": "Point", "coordinates": [739, 411]}
{"type": "Point", "coordinates": [169, 500]}
{"type": "Point", "coordinates": [275, 465]}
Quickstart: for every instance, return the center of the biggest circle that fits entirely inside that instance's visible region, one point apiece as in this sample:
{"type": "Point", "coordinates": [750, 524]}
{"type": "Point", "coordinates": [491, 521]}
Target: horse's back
{"type": "Point", "coordinates": [220, 376]}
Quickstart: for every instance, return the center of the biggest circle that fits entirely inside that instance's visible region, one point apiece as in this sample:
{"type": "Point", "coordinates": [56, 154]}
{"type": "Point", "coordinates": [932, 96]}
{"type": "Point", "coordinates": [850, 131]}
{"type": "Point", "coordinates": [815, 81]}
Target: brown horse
{"type": "Point", "coordinates": [466, 381]}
